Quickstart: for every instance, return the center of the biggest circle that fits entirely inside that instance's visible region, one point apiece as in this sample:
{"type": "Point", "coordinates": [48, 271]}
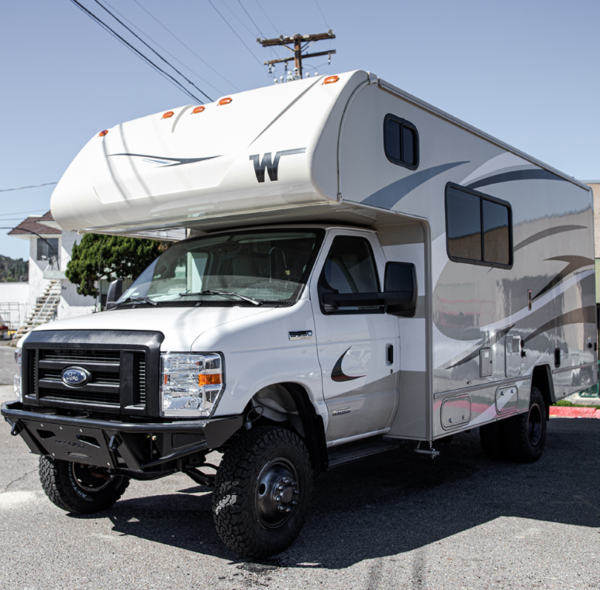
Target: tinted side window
{"type": "Point", "coordinates": [350, 267]}
{"type": "Point", "coordinates": [401, 142]}
{"type": "Point", "coordinates": [496, 233]}
{"type": "Point", "coordinates": [478, 228]}
{"type": "Point", "coordinates": [463, 224]}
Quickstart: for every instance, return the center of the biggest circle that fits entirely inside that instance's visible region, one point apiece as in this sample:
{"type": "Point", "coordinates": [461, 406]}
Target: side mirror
{"type": "Point", "coordinates": [400, 287]}
{"type": "Point", "coordinates": [115, 290]}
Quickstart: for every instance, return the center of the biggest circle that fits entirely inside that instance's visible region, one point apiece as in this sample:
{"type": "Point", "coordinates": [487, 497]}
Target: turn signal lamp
{"type": "Point", "coordinates": [197, 110]}
{"type": "Point", "coordinates": [103, 133]}
{"type": "Point", "coordinates": [209, 380]}
{"type": "Point", "coordinates": [225, 100]}
{"type": "Point", "coordinates": [168, 115]}
{"type": "Point", "coordinates": [331, 80]}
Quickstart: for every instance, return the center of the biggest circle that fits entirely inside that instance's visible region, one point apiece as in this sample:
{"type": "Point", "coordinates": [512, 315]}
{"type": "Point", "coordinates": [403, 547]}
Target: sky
{"type": "Point", "coordinates": [524, 71]}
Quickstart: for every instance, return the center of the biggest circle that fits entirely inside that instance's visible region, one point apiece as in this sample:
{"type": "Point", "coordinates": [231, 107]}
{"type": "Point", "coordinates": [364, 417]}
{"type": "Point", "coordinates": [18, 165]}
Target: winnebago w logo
{"type": "Point", "coordinates": [271, 166]}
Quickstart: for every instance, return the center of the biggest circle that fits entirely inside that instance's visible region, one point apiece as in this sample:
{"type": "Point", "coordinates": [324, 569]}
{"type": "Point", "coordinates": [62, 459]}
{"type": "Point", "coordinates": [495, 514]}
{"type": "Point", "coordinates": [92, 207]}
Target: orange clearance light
{"type": "Point", "coordinates": [209, 380]}
{"type": "Point", "coordinates": [168, 115]}
{"type": "Point", "coordinates": [103, 133]}
{"type": "Point", "coordinates": [331, 80]}
{"type": "Point", "coordinates": [197, 110]}
{"type": "Point", "coordinates": [225, 100]}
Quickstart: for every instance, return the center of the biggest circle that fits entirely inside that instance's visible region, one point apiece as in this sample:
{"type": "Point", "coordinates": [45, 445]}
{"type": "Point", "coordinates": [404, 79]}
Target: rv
{"type": "Point", "coordinates": [350, 267]}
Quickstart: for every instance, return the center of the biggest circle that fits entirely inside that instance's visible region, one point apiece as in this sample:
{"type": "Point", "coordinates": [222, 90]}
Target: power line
{"type": "Point", "coordinates": [276, 29]}
{"type": "Point", "coordinates": [244, 9]}
{"type": "Point", "coordinates": [239, 20]}
{"type": "Point", "coordinates": [186, 46]}
{"type": "Point", "coordinates": [21, 212]}
{"type": "Point", "coordinates": [153, 50]}
{"type": "Point", "coordinates": [22, 188]}
{"type": "Point", "coordinates": [235, 33]}
{"type": "Point", "coordinates": [319, 7]}
{"type": "Point", "coordinates": [163, 48]}
{"type": "Point", "coordinates": [132, 48]}
{"type": "Point", "coordinates": [254, 23]}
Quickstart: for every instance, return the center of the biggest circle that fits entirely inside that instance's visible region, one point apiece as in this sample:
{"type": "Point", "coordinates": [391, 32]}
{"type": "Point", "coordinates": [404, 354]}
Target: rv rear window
{"type": "Point", "coordinates": [478, 228]}
{"type": "Point", "coordinates": [401, 142]}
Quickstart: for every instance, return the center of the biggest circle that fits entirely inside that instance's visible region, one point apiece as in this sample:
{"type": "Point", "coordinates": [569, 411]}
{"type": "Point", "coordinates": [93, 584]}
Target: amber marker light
{"type": "Point", "coordinates": [209, 379]}
{"type": "Point", "coordinates": [168, 115]}
{"type": "Point", "coordinates": [197, 110]}
{"type": "Point", "coordinates": [331, 80]}
{"type": "Point", "coordinates": [225, 100]}
{"type": "Point", "coordinates": [103, 133]}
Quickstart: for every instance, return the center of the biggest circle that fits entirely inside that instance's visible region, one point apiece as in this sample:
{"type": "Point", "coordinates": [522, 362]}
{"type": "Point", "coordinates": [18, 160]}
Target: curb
{"type": "Point", "coordinates": [572, 412]}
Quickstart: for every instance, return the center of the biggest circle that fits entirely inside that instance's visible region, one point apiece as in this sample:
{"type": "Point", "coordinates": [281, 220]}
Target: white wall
{"type": "Point", "coordinates": [14, 293]}
{"type": "Point", "coordinates": [71, 303]}
{"type": "Point", "coordinates": [37, 283]}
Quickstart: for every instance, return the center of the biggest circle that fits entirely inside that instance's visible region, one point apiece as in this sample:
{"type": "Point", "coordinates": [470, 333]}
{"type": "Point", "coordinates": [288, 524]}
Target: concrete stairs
{"type": "Point", "coordinates": [44, 310]}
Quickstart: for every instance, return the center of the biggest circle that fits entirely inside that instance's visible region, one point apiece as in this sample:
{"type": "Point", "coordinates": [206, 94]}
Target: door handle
{"type": "Point", "coordinates": [390, 354]}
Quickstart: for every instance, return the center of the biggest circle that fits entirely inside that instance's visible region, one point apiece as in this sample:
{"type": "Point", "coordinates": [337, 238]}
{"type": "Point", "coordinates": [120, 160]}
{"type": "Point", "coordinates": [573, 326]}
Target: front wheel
{"type": "Point", "coordinates": [79, 488]}
{"type": "Point", "coordinates": [262, 492]}
{"type": "Point", "coordinates": [525, 435]}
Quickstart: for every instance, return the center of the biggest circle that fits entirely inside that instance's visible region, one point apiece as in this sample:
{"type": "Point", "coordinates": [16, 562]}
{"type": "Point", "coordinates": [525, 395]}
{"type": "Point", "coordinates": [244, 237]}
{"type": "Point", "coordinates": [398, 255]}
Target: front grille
{"type": "Point", "coordinates": [104, 386]}
{"type": "Point", "coordinates": [123, 367]}
{"type": "Point", "coordinates": [140, 365]}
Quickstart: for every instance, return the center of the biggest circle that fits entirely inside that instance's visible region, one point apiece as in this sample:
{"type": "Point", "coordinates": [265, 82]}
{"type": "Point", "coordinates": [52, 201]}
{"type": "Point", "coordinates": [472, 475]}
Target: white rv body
{"type": "Point", "coordinates": [195, 172]}
{"type": "Point", "coordinates": [311, 155]}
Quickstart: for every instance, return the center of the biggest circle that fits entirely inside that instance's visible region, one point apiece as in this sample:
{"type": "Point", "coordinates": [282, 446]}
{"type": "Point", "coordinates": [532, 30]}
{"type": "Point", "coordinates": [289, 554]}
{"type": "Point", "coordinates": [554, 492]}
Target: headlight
{"type": "Point", "coordinates": [190, 383]}
{"type": "Point", "coordinates": [17, 377]}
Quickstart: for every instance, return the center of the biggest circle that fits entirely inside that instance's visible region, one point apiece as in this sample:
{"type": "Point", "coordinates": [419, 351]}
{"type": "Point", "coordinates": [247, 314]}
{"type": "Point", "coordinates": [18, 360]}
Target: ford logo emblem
{"type": "Point", "coordinates": [75, 376]}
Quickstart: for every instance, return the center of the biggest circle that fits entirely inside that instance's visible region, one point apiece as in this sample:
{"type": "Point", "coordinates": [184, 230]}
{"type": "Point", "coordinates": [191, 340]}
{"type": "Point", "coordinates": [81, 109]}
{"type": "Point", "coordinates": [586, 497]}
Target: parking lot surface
{"type": "Point", "coordinates": [7, 363]}
{"type": "Point", "coordinates": [396, 520]}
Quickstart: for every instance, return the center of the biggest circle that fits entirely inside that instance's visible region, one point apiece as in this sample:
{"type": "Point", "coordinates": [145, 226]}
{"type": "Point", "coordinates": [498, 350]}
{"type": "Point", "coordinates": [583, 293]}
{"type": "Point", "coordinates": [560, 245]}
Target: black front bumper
{"type": "Point", "coordinates": [144, 447]}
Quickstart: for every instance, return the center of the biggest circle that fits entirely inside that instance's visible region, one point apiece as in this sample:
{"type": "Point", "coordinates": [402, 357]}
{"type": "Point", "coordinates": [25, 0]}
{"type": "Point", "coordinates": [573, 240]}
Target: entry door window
{"type": "Point", "coordinates": [350, 268]}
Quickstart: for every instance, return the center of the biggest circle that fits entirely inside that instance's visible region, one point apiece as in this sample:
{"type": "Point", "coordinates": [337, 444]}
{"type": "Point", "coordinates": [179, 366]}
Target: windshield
{"type": "Point", "coordinates": [267, 266]}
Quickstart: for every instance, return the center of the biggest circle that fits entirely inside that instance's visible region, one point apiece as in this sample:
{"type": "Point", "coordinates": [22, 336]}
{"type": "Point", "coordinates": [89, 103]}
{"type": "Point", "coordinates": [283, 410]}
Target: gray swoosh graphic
{"type": "Point", "coordinates": [490, 342]}
{"type": "Point", "coordinates": [546, 233]}
{"type": "Point", "coordinates": [166, 162]}
{"type": "Point", "coordinates": [391, 194]}
{"type": "Point", "coordinates": [586, 315]}
{"type": "Point", "coordinates": [516, 175]}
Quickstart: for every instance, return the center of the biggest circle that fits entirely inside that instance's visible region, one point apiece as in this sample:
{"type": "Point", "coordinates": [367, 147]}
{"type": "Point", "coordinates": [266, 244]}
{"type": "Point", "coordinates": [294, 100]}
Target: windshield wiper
{"type": "Point", "coordinates": [137, 300]}
{"type": "Point", "coordinates": [225, 293]}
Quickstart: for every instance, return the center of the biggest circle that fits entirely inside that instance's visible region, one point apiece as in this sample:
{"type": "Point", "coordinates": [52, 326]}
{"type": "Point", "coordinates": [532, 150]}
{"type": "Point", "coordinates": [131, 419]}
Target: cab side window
{"type": "Point", "coordinates": [350, 268]}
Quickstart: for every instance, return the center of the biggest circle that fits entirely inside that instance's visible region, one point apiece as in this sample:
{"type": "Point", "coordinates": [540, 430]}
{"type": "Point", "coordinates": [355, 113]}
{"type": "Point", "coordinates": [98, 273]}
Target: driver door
{"type": "Point", "coordinates": [357, 347]}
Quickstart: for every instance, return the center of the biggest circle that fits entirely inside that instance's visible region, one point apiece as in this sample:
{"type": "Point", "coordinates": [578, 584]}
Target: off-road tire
{"type": "Point", "coordinates": [237, 496]}
{"type": "Point", "coordinates": [525, 434]}
{"type": "Point", "coordinates": [492, 440]}
{"type": "Point", "coordinates": [60, 484]}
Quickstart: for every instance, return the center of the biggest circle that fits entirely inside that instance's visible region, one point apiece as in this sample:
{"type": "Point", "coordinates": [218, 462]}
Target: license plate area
{"type": "Point", "coordinates": [71, 443]}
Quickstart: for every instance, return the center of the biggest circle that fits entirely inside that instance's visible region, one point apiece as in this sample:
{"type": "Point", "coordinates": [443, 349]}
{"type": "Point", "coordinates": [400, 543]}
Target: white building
{"type": "Point", "coordinates": [50, 251]}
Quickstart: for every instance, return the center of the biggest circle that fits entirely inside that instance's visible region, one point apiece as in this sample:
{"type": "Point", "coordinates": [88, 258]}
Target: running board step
{"type": "Point", "coordinates": [359, 449]}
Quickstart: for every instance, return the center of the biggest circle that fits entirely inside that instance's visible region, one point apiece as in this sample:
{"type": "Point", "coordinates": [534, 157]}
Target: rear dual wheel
{"type": "Point", "coordinates": [521, 438]}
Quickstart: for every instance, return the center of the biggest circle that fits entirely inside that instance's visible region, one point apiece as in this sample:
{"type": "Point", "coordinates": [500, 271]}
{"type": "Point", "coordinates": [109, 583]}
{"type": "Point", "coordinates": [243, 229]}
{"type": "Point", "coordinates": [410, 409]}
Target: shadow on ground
{"type": "Point", "coordinates": [399, 501]}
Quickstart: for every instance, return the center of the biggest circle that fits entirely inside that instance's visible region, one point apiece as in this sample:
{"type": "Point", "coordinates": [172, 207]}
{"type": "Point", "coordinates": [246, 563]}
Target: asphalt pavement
{"type": "Point", "coordinates": [7, 363]}
{"type": "Point", "coordinates": [396, 520]}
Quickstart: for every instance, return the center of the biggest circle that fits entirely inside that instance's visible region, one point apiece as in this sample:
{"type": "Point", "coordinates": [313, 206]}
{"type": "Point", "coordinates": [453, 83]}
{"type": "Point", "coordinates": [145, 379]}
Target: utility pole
{"type": "Point", "coordinates": [299, 43]}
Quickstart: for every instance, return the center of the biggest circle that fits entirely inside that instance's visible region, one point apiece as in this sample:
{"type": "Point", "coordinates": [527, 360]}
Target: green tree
{"type": "Point", "coordinates": [99, 256]}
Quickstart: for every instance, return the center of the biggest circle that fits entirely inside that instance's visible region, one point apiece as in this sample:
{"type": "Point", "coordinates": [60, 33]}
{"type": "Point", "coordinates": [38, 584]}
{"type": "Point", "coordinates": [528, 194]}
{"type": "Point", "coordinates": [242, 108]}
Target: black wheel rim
{"type": "Point", "coordinates": [277, 493]}
{"type": "Point", "coordinates": [88, 478]}
{"type": "Point", "coordinates": [534, 424]}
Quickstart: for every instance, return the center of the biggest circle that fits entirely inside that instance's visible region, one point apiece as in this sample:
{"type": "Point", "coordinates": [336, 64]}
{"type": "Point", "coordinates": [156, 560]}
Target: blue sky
{"type": "Point", "coordinates": [524, 71]}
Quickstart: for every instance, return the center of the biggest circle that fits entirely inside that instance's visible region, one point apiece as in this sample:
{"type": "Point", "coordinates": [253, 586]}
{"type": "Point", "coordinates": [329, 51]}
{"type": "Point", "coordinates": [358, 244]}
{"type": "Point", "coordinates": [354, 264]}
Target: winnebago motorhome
{"type": "Point", "coordinates": [351, 267]}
